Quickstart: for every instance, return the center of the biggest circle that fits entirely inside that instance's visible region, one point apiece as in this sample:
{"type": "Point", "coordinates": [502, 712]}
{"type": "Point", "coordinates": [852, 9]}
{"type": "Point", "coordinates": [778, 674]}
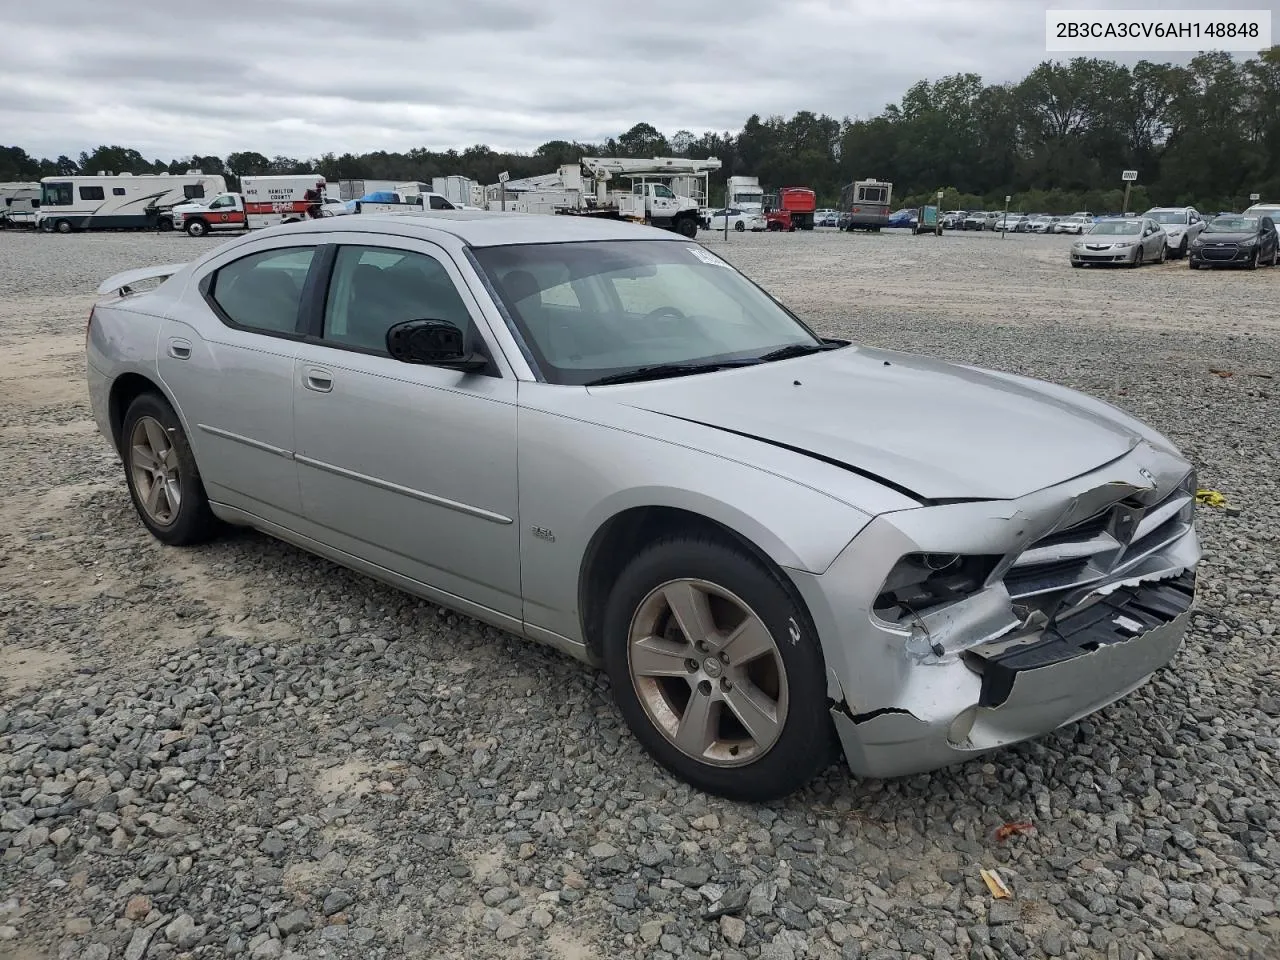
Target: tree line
{"type": "Point", "coordinates": [1205, 134]}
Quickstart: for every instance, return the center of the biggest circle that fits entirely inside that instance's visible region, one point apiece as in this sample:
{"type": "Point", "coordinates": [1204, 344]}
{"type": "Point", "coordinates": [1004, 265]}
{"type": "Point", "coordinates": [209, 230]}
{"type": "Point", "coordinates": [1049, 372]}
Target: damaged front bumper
{"type": "Point", "coordinates": [1092, 596]}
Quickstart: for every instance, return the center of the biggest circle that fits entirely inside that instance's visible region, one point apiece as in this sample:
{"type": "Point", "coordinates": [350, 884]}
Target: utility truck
{"type": "Point", "coordinates": [652, 198]}
{"type": "Point", "coordinates": [261, 202]}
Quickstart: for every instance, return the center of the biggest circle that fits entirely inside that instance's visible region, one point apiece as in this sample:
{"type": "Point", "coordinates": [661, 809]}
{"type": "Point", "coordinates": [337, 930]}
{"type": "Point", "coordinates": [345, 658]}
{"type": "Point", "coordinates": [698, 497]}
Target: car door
{"type": "Point", "coordinates": [227, 357]}
{"type": "Point", "coordinates": [408, 467]}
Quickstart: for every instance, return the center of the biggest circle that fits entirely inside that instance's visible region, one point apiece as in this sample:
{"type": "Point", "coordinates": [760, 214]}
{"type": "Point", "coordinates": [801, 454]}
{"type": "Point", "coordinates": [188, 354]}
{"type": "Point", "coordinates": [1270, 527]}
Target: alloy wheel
{"type": "Point", "coordinates": [707, 672]}
{"type": "Point", "coordinates": [153, 464]}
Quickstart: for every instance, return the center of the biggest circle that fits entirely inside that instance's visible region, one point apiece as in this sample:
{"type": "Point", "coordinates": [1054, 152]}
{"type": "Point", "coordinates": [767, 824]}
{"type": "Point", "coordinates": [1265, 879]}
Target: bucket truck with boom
{"type": "Point", "coordinates": [651, 199]}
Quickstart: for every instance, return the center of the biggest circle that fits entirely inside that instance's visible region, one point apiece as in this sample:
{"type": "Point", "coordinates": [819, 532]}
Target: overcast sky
{"type": "Point", "coordinates": [304, 77]}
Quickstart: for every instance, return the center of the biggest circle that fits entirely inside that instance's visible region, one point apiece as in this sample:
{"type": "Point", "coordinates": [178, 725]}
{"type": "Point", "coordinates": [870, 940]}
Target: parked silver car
{"type": "Point", "coordinates": [1132, 241]}
{"type": "Point", "coordinates": [607, 439]}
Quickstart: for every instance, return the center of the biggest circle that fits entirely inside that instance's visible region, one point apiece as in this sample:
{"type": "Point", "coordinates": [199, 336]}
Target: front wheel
{"type": "Point", "coordinates": [1137, 258]}
{"type": "Point", "coordinates": [1182, 248]}
{"type": "Point", "coordinates": [717, 670]}
{"type": "Point", "coordinates": [64, 226]}
{"type": "Point", "coordinates": [197, 228]}
{"type": "Point", "coordinates": [688, 227]}
{"type": "Point", "coordinates": [1253, 261]}
{"type": "Point", "coordinates": [161, 472]}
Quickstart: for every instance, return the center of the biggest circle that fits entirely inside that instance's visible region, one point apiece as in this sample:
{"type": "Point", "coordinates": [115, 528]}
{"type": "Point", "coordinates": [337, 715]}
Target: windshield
{"type": "Point", "coordinates": [1168, 216]}
{"type": "Point", "coordinates": [1232, 225]}
{"type": "Point", "coordinates": [589, 310]}
{"type": "Point", "coordinates": [1117, 228]}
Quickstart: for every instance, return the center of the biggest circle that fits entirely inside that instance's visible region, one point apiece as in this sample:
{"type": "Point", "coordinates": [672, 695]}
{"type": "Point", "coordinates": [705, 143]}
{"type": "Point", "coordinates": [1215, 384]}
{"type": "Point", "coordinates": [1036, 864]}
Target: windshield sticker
{"type": "Point", "coordinates": [706, 256]}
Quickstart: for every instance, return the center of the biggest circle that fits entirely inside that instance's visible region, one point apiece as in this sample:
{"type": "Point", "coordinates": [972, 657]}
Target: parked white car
{"type": "Point", "coordinates": [1271, 210]}
{"type": "Point", "coordinates": [739, 220]}
{"type": "Point", "coordinates": [1073, 224]}
{"type": "Point", "coordinates": [1181, 224]}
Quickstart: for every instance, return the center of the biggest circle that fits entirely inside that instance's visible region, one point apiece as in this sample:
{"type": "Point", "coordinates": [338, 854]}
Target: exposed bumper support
{"type": "Point", "coordinates": [990, 700]}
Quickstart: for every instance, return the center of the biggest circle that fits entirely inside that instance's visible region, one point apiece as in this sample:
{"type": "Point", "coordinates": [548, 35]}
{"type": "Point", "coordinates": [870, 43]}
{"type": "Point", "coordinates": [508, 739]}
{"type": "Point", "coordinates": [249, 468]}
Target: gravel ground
{"type": "Point", "coordinates": [241, 750]}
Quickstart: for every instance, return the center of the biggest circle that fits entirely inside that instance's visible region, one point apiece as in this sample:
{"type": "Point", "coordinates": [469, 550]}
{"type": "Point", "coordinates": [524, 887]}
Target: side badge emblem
{"type": "Point", "coordinates": [542, 533]}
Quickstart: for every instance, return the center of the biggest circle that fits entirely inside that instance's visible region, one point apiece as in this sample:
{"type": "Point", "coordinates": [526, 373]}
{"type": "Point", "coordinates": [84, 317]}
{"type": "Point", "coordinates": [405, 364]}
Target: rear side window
{"type": "Point", "coordinates": [263, 290]}
{"type": "Point", "coordinates": [117, 191]}
{"type": "Point", "coordinates": [92, 193]}
{"type": "Point", "coordinates": [193, 192]}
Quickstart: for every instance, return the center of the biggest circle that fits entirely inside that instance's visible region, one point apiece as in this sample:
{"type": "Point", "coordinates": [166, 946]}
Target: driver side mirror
{"type": "Point", "coordinates": [433, 343]}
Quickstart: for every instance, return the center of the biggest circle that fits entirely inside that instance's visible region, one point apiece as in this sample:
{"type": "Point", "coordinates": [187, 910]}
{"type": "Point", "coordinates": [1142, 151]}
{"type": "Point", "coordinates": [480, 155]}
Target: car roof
{"type": "Point", "coordinates": [480, 228]}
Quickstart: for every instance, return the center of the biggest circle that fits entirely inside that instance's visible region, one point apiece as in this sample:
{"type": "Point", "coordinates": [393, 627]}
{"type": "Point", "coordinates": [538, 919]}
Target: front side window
{"type": "Point", "coordinates": [221, 202]}
{"type": "Point", "coordinates": [375, 287]}
{"type": "Point", "coordinates": [661, 190]}
{"type": "Point", "coordinates": [440, 203]}
{"type": "Point", "coordinates": [263, 290]}
{"type": "Point", "coordinates": [92, 193]}
{"type": "Point", "coordinates": [634, 304]}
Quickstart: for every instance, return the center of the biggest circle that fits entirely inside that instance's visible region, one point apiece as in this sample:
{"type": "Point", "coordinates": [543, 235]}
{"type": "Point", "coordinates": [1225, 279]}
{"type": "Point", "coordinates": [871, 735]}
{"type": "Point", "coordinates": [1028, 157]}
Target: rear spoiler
{"type": "Point", "coordinates": [121, 282]}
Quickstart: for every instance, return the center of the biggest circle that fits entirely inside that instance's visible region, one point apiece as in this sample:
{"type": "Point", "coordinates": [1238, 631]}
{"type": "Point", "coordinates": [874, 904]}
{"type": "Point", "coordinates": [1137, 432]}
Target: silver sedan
{"type": "Point", "coordinates": [606, 439]}
{"type": "Point", "coordinates": [1131, 241]}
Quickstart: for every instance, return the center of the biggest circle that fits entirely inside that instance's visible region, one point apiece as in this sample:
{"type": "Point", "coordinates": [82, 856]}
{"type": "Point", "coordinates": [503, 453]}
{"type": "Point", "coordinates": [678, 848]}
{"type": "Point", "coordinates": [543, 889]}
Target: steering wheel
{"type": "Point", "coordinates": [668, 313]}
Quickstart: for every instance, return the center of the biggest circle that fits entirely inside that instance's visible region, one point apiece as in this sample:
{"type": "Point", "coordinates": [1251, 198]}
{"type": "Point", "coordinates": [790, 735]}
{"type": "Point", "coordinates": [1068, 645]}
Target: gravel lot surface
{"type": "Point", "coordinates": [241, 750]}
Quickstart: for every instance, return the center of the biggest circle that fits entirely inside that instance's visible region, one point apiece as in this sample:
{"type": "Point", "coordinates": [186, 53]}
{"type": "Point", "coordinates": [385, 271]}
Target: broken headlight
{"type": "Point", "coordinates": [922, 582]}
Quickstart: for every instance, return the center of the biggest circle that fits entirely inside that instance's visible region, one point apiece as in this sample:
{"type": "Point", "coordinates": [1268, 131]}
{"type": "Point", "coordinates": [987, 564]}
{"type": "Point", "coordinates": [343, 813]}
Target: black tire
{"type": "Point", "coordinates": [1275, 255]}
{"type": "Point", "coordinates": [739, 226]}
{"type": "Point", "coordinates": [1182, 248]}
{"type": "Point", "coordinates": [1137, 258]}
{"type": "Point", "coordinates": [1076, 263]}
{"type": "Point", "coordinates": [63, 226]}
{"type": "Point", "coordinates": [193, 522]}
{"type": "Point", "coordinates": [1253, 261]}
{"type": "Point", "coordinates": [807, 742]}
{"type": "Point", "coordinates": [197, 227]}
{"type": "Point", "coordinates": [687, 227]}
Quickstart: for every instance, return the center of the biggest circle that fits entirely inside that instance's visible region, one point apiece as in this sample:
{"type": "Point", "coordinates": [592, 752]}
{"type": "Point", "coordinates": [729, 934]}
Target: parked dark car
{"type": "Point", "coordinates": [1235, 240]}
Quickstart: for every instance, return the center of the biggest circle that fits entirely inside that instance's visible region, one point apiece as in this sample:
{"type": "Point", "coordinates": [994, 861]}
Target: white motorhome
{"type": "Point", "coordinates": [120, 202]}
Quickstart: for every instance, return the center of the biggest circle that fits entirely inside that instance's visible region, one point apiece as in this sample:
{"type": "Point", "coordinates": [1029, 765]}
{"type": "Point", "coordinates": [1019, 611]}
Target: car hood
{"type": "Point", "coordinates": [933, 430]}
{"type": "Point", "coordinates": [1207, 237]}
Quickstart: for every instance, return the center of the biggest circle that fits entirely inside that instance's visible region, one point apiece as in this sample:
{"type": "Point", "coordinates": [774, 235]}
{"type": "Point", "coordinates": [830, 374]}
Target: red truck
{"type": "Point", "coordinates": [791, 208]}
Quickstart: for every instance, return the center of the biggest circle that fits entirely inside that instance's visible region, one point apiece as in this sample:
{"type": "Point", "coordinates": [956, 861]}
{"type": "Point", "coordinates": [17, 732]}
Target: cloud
{"type": "Point", "coordinates": [306, 77]}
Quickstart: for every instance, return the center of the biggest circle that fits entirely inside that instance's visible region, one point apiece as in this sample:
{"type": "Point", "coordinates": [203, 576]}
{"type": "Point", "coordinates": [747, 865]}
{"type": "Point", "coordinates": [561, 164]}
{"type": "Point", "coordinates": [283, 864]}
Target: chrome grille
{"type": "Point", "coordinates": [1102, 547]}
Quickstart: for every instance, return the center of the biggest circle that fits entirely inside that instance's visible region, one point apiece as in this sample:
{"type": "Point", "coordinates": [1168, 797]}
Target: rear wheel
{"type": "Point", "coordinates": [717, 671]}
{"type": "Point", "coordinates": [161, 472]}
{"type": "Point", "coordinates": [739, 226]}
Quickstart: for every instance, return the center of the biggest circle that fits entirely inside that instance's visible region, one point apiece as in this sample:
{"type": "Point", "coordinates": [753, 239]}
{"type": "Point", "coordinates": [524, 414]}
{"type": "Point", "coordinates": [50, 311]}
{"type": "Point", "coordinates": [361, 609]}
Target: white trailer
{"type": "Point", "coordinates": [355, 189]}
{"type": "Point", "coordinates": [19, 202]}
{"type": "Point", "coordinates": [120, 202]}
{"type": "Point", "coordinates": [457, 190]}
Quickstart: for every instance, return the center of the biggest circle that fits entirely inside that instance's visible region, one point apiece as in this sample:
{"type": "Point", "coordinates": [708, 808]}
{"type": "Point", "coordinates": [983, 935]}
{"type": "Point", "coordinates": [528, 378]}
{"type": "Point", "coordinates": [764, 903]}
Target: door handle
{"type": "Point", "coordinates": [318, 380]}
{"type": "Point", "coordinates": [180, 349]}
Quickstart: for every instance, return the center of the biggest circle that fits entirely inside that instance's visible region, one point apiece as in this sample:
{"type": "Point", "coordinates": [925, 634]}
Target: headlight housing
{"type": "Point", "coordinates": [920, 583]}
{"type": "Point", "coordinates": [1248, 241]}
